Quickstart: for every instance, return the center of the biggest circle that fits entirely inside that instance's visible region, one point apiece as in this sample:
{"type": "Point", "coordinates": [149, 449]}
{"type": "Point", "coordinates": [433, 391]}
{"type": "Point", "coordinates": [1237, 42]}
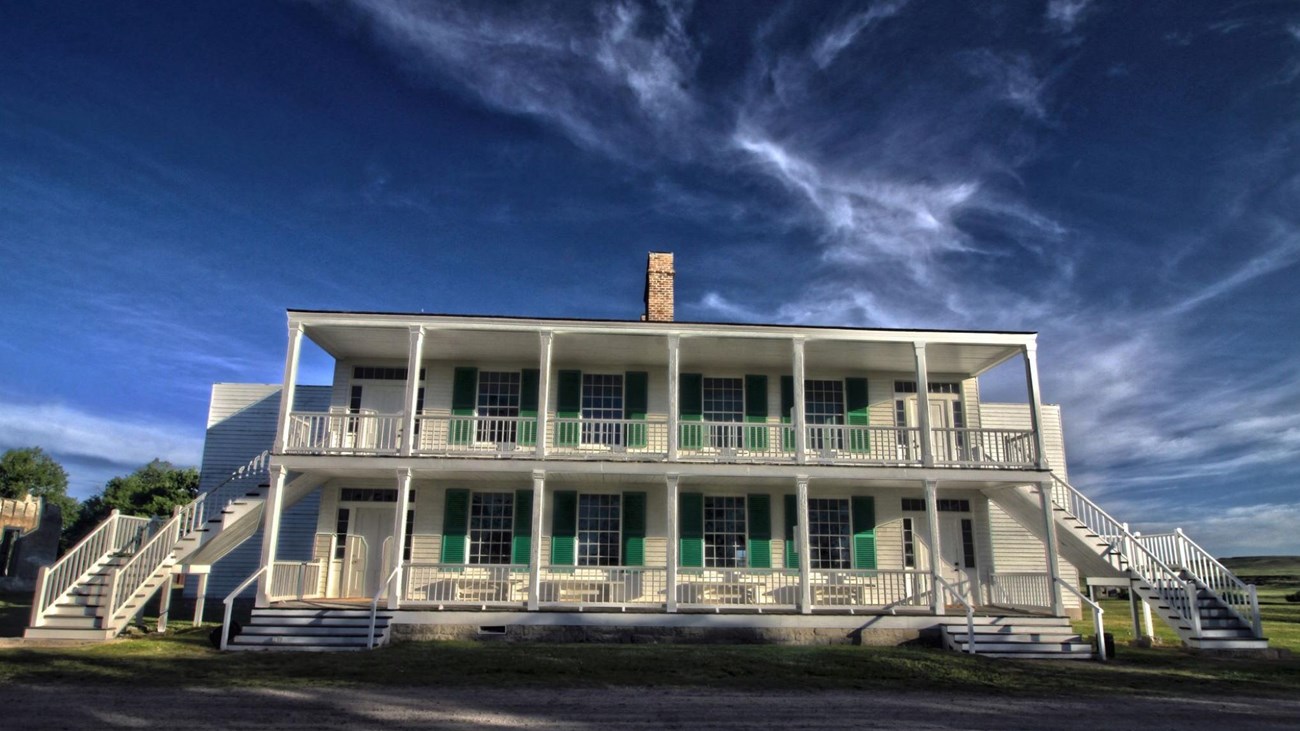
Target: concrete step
{"type": "Point", "coordinates": [66, 633]}
{"type": "Point", "coordinates": [1028, 647]}
{"type": "Point", "coordinates": [246, 640]}
{"type": "Point", "coordinates": [1242, 644]}
{"type": "Point", "coordinates": [1040, 655]}
{"type": "Point", "coordinates": [56, 622]}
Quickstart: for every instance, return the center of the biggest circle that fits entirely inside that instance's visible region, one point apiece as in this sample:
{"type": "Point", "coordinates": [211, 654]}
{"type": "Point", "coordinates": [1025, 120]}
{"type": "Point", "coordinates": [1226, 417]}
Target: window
{"type": "Point", "coordinates": [409, 532]}
{"type": "Point", "coordinates": [354, 407]}
{"type": "Point", "coordinates": [828, 533]}
{"type": "Point", "coordinates": [909, 544]}
{"type": "Point", "coordinates": [943, 505]}
{"type": "Point", "coordinates": [341, 533]}
{"type": "Point", "coordinates": [824, 404]}
{"type": "Point", "coordinates": [598, 530]}
{"type": "Point", "coordinates": [372, 495]}
{"type": "Point", "coordinates": [932, 387]}
{"type": "Point", "coordinates": [724, 531]}
{"type": "Point", "coordinates": [491, 527]}
{"type": "Point", "coordinates": [602, 402]}
{"type": "Point", "coordinates": [724, 406]}
{"type": "Point", "coordinates": [371, 373]}
{"type": "Point", "coordinates": [968, 542]}
{"type": "Point", "coordinates": [498, 396]}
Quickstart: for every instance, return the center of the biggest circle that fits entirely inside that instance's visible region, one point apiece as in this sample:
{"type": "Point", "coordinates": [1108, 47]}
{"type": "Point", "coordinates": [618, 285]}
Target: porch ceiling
{"type": "Point", "coordinates": [698, 352]}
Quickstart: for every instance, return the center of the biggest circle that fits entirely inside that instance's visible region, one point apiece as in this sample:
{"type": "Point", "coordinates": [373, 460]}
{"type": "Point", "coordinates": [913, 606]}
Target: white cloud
{"type": "Point", "coordinates": [1064, 15]}
{"type": "Point", "coordinates": [1011, 78]}
{"type": "Point", "coordinates": [830, 45]}
{"type": "Point", "coordinates": [1241, 530]}
{"type": "Point", "coordinates": [64, 430]}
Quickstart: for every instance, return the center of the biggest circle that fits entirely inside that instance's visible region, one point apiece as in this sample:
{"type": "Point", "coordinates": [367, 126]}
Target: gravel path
{"type": "Point", "coordinates": [193, 709]}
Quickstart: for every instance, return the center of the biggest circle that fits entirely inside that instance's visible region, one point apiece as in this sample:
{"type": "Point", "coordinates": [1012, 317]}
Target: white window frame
{"type": "Point", "coordinates": [594, 432]}
{"type": "Point", "coordinates": [599, 546]}
{"type": "Point", "coordinates": [491, 541]}
{"type": "Point", "coordinates": [820, 544]}
{"type": "Point", "coordinates": [726, 554]}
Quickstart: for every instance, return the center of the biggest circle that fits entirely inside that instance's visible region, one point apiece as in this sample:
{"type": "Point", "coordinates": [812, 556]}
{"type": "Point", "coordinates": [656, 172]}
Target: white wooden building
{"type": "Point", "coordinates": [541, 477]}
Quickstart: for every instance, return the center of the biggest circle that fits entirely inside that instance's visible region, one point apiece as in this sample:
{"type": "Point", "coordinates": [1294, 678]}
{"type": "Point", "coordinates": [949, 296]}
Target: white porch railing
{"type": "Point", "coordinates": [842, 443]}
{"type": "Point", "coordinates": [602, 586]}
{"type": "Point", "coordinates": [984, 447]}
{"type": "Point", "coordinates": [1020, 589]}
{"type": "Point", "coordinates": [607, 438]}
{"type": "Point", "coordinates": [719, 441]}
{"type": "Point", "coordinates": [296, 580]}
{"type": "Point", "coordinates": [1181, 552]}
{"type": "Point", "coordinates": [1097, 616]}
{"type": "Point", "coordinates": [491, 436]}
{"type": "Point", "coordinates": [715, 588]}
{"type": "Point", "coordinates": [953, 592]}
{"type": "Point", "coordinates": [126, 581]}
{"type": "Point", "coordinates": [869, 589]}
{"type": "Point", "coordinates": [338, 433]}
{"type": "Point", "coordinates": [459, 584]}
{"type": "Point", "coordinates": [118, 534]}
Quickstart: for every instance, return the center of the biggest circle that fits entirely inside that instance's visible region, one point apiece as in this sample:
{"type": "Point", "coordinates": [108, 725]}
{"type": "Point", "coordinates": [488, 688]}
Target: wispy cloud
{"type": "Point", "coordinates": [836, 40]}
{"type": "Point", "coordinates": [1064, 15]}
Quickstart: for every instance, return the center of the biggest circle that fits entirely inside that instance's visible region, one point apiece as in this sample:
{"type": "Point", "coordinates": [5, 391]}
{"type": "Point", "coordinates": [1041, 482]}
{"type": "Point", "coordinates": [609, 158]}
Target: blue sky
{"type": "Point", "coordinates": [1122, 177]}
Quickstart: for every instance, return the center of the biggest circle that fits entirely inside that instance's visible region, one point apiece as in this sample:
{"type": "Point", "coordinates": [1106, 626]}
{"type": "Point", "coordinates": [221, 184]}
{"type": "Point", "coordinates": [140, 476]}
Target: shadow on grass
{"type": "Point", "coordinates": [185, 659]}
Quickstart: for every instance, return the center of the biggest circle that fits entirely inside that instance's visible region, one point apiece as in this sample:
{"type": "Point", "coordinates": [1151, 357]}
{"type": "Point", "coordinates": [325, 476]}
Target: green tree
{"type": "Point", "coordinates": [154, 489]}
{"type": "Point", "coordinates": [31, 471]}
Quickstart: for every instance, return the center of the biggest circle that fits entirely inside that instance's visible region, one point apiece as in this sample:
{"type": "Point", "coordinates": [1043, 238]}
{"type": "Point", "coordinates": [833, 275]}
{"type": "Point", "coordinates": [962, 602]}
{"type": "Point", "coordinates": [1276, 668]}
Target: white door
{"type": "Point", "coordinates": [943, 443]}
{"type": "Point", "coordinates": [375, 525]}
{"type": "Point", "coordinates": [373, 431]}
{"type": "Point", "coordinates": [955, 566]}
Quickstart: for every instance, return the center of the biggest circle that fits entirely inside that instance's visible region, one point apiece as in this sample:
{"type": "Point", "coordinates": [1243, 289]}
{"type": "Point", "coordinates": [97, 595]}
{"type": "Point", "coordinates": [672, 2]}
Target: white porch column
{"type": "Point", "coordinates": [290, 381]}
{"type": "Point", "coordinates": [271, 531]}
{"type": "Point", "coordinates": [399, 538]}
{"type": "Point", "coordinates": [544, 342]}
{"type": "Point", "coordinates": [535, 545]}
{"type": "Point", "coordinates": [800, 418]}
{"type": "Point", "coordinates": [165, 602]}
{"type": "Point", "coordinates": [1134, 612]}
{"type": "Point", "coordinates": [414, 358]}
{"type": "Point", "coordinates": [801, 538]}
{"type": "Point", "coordinates": [1053, 566]}
{"type": "Point", "coordinates": [674, 395]}
{"type": "Point", "coordinates": [923, 405]}
{"type": "Point", "coordinates": [937, 605]}
{"type": "Point", "coordinates": [670, 490]}
{"type": "Point", "coordinates": [1030, 352]}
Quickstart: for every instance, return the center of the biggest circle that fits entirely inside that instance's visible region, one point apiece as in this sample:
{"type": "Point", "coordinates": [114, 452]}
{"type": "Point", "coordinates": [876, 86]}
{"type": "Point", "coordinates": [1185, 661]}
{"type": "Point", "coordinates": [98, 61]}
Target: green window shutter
{"type": "Point", "coordinates": [521, 539]}
{"type": "Point", "coordinates": [690, 407]}
{"type": "Point", "coordinates": [464, 397]}
{"type": "Point", "coordinates": [634, 528]}
{"type": "Point", "coordinates": [858, 406]}
{"type": "Point", "coordinates": [791, 517]}
{"type": "Point", "coordinates": [756, 412]}
{"type": "Point", "coordinates": [528, 382]}
{"type": "Point", "coordinates": [787, 412]}
{"type": "Point", "coordinates": [564, 528]}
{"type": "Point", "coordinates": [863, 515]}
{"type": "Point", "coordinates": [690, 528]}
{"type": "Point", "coordinates": [759, 508]}
{"type": "Point", "coordinates": [635, 400]}
{"type": "Point", "coordinates": [455, 526]}
{"type": "Point", "coordinates": [568, 405]}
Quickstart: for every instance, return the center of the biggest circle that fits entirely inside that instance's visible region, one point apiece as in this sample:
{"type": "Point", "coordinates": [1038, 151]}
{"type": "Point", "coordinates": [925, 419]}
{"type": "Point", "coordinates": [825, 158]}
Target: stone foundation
{"type": "Point", "coordinates": [658, 635]}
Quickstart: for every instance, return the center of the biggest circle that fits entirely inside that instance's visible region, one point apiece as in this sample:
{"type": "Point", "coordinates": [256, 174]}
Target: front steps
{"type": "Point", "coordinates": [1221, 628]}
{"type": "Point", "coordinates": [310, 630]}
{"type": "Point", "coordinates": [1024, 638]}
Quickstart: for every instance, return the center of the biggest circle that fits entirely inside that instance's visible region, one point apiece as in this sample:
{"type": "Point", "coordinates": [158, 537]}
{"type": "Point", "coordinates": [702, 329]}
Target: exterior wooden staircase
{"type": "Point", "coordinates": [1204, 602]}
{"type": "Point", "coordinates": [95, 589]}
{"type": "Point", "coordinates": [311, 629]}
{"type": "Point", "coordinates": [1026, 638]}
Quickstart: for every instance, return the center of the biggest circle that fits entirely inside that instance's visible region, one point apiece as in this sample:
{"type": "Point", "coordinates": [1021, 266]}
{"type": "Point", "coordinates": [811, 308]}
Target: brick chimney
{"type": "Point", "coordinates": [659, 287]}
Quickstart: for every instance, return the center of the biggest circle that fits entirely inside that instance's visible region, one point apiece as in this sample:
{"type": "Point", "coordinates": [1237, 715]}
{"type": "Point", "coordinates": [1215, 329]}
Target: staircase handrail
{"type": "Point", "coordinates": [55, 580]}
{"type": "Point", "coordinates": [970, 612]}
{"type": "Point", "coordinates": [229, 602]}
{"type": "Point", "coordinates": [127, 579]}
{"type": "Point", "coordinates": [1141, 560]}
{"type": "Point", "coordinates": [374, 604]}
{"type": "Point", "coordinates": [1216, 577]}
{"type": "Point", "coordinates": [1097, 613]}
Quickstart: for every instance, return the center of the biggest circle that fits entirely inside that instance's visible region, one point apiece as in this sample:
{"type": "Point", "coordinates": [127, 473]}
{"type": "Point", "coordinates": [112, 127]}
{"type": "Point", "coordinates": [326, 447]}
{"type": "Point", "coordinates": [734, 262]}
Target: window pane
{"type": "Point", "coordinates": [491, 527]}
{"type": "Point", "coordinates": [828, 533]}
{"type": "Point", "coordinates": [498, 395]}
{"type": "Point", "coordinates": [724, 531]}
{"type": "Point", "coordinates": [602, 398]}
{"type": "Point", "coordinates": [824, 404]}
{"type": "Point", "coordinates": [724, 405]}
{"type": "Point", "coordinates": [598, 530]}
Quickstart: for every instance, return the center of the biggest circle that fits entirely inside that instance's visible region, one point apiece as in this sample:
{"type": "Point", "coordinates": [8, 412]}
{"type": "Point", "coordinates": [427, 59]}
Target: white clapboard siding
{"type": "Point", "coordinates": [1014, 547]}
{"type": "Point", "coordinates": [241, 425]}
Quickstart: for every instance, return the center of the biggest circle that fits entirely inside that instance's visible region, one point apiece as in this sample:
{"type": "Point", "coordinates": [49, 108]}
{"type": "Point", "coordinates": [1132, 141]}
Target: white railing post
{"type": "Point", "coordinates": [1193, 606]}
{"type": "Point", "coordinates": [1053, 566]}
{"type": "Point", "coordinates": [1254, 611]}
{"type": "Point", "coordinates": [112, 530]}
{"type": "Point", "coordinates": [1180, 544]}
{"type": "Point", "coordinates": [535, 546]}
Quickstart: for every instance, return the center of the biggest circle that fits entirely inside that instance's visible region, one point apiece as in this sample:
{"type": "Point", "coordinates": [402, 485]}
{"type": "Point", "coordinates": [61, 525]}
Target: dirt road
{"type": "Point", "coordinates": [193, 709]}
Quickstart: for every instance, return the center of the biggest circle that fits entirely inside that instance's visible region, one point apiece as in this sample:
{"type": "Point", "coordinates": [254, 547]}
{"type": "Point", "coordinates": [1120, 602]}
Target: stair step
{"type": "Point", "coordinates": [72, 610]}
{"type": "Point", "coordinates": [314, 631]}
{"type": "Point", "coordinates": [290, 640]}
{"type": "Point", "coordinates": [66, 633]}
{"type": "Point", "coordinates": [1019, 647]}
{"type": "Point", "coordinates": [1040, 655]}
{"type": "Point", "coordinates": [1229, 644]}
{"type": "Point", "coordinates": [57, 622]}
{"type": "Point", "coordinates": [288, 622]}
{"type": "Point", "coordinates": [335, 613]}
